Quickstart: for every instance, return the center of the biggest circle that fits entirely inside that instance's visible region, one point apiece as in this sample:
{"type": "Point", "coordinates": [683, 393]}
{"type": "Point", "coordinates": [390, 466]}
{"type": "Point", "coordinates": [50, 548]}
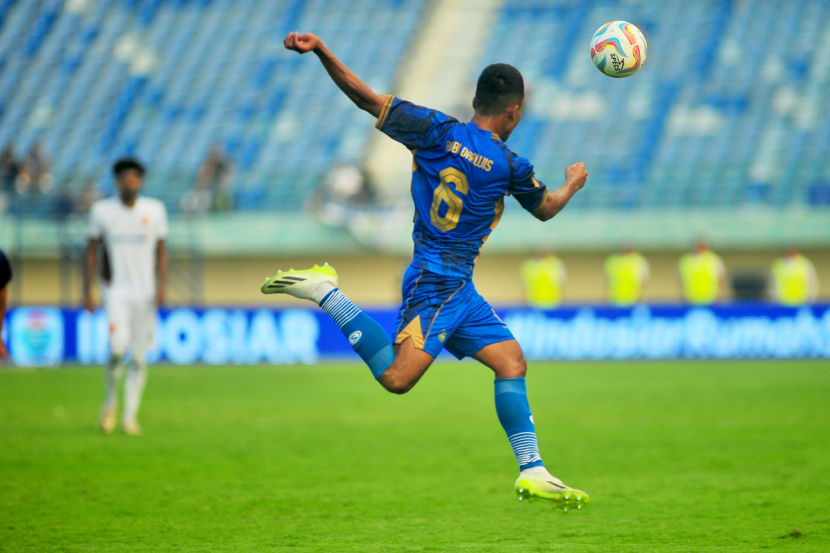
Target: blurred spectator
{"type": "Point", "coordinates": [89, 195]}
{"type": "Point", "coordinates": [626, 275]}
{"type": "Point", "coordinates": [64, 204]}
{"type": "Point", "coordinates": [345, 200]}
{"type": "Point", "coordinates": [702, 276]}
{"type": "Point", "coordinates": [348, 183]}
{"type": "Point", "coordinates": [543, 277]}
{"type": "Point", "coordinates": [35, 174]}
{"type": "Point", "coordinates": [9, 168]}
{"type": "Point", "coordinates": [794, 280]}
{"type": "Point", "coordinates": [211, 189]}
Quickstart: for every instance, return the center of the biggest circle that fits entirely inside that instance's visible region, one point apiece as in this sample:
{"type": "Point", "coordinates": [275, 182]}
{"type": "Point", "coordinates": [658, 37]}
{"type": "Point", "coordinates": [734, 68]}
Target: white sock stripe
{"type": "Point", "coordinates": [335, 302]}
{"type": "Point", "coordinates": [525, 447]}
{"type": "Point", "coordinates": [525, 459]}
{"type": "Point", "coordinates": [526, 454]}
{"type": "Point", "coordinates": [522, 436]}
{"type": "Point", "coordinates": [334, 298]}
{"type": "Point", "coordinates": [346, 319]}
{"type": "Point", "coordinates": [343, 311]}
{"type": "Point", "coordinates": [340, 308]}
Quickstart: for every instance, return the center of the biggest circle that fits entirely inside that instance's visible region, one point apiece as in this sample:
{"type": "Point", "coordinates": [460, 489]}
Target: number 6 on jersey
{"type": "Point", "coordinates": [444, 194]}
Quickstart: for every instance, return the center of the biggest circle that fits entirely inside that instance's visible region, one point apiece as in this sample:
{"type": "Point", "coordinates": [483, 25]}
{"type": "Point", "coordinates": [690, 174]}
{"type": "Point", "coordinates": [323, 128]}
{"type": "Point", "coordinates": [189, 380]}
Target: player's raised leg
{"type": "Point", "coordinates": [534, 482]}
{"type": "Point", "coordinates": [396, 368]}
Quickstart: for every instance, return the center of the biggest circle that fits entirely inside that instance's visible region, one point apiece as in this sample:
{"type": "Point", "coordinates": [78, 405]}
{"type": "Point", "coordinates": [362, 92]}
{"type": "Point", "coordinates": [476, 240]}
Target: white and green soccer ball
{"type": "Point", "coordinates": [618, 49]}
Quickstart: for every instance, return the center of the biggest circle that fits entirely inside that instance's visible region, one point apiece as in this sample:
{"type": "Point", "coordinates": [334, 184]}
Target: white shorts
{"type": "Point", "coordinates": [131, 325]}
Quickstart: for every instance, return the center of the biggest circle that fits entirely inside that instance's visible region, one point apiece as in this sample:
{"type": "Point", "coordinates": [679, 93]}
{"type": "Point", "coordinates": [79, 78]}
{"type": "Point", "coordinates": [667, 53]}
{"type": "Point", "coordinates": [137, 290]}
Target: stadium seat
{"type": "Point", "coordinates": [692, 126]}
{"type": "Point", "coordinates": [703, 124]}
{"type": "Point", "coordinates": [164, 79]}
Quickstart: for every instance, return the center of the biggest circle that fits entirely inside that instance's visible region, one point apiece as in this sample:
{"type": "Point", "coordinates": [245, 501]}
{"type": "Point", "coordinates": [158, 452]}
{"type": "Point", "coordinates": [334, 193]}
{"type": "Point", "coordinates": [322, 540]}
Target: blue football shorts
{"type": "Point", "coordinates": [446, 312]}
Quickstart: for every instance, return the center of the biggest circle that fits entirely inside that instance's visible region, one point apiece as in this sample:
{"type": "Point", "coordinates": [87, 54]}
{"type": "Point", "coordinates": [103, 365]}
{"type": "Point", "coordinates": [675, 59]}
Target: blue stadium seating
{"type": "Point", "coordinates": [164, 79]}
{"type": "Point", "coordinates": [732, 107]}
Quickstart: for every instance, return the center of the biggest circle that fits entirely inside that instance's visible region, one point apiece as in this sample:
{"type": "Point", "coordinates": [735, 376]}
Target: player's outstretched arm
{"type": "Point", "coordinates": [357, 91]}
{"type": "Point", "coordinates": [575, 177]}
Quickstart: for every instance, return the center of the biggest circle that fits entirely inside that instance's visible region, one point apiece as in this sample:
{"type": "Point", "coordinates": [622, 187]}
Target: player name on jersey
{"type": "Point", "coordinates": [478, 160]}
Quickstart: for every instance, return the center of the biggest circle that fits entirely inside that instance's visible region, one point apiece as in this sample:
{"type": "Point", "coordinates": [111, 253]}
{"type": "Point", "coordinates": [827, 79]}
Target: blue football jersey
{"type": "Point", "coordinates": [460, 176]}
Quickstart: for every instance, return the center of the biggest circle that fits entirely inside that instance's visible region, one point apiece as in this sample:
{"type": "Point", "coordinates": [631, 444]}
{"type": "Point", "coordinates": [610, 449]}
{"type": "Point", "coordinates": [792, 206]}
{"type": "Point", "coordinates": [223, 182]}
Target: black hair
{"type": "Point", "coordinates": [499, 86]}
{"type": "Point", "coordinates": [127, 164]}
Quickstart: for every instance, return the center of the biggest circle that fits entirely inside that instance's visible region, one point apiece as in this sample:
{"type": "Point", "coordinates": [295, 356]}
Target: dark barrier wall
{"type": "Point", "coordinates": [50, 336]}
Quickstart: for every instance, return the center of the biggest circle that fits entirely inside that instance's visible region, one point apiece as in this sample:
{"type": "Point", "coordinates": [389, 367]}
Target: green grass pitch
{"type": "Point", "coordinates": [682, 456]}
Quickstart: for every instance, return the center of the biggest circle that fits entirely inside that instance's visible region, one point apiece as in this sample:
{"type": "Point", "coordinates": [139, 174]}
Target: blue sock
{"type": "Point", "coordinates": [365, 335]}
{"type": "Point", "coordinates": [514, 415]}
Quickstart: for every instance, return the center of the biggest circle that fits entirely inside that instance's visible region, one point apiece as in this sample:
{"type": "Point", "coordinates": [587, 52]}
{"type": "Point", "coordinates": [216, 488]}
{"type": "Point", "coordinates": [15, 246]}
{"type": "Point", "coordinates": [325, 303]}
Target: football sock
{"type": "Point", "coordinates": [112, 379]}
{"type": "Point", "coordinates": [514, 415]}
{"type": "Point", "coordinates": [134, 388]}
{"type": "Point", "coordinates": [365, 335]}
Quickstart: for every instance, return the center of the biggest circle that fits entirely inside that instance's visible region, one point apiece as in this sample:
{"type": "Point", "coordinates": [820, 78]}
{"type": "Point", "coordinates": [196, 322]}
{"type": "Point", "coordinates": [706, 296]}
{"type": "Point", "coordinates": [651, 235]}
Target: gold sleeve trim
{"type": "Point", "coordinates": [384, 111]}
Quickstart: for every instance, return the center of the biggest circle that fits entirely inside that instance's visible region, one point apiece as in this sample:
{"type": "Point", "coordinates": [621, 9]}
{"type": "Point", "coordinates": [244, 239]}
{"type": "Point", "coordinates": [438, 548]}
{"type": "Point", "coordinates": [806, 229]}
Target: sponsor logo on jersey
{"type": "Point", "coordinates": [354, 337]}
{"type": "Point", "coordinates": [442, 336]}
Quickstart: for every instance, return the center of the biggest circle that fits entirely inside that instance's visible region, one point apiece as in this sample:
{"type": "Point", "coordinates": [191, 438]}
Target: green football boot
{"type": "Point", "coordinates": [550, 490]}
{"type": "Point", "coordinates": [300, 284]}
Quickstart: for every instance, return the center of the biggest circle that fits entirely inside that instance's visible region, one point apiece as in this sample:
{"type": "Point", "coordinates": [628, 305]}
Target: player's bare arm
{"type": "Point", "coordinates": [161, 271]}
{"type": "Point", "coordinates": [357, 91]}
{"type": "Point", "coordinates": [89, 275]}
{"type": "Point", "coordinates": [575, 178]}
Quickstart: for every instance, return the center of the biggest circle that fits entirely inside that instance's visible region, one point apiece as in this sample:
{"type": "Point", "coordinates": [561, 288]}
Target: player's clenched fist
{"type": "Point", "coordinates": [576, 175]}
{"type": "Point", "coordinates": [301, 43]}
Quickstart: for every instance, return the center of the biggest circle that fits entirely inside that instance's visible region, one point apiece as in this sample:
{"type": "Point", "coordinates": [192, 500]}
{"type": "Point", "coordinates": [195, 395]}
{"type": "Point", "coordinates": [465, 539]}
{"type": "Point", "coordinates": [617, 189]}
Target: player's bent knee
{"type": "Point", "coordinates": [522, 366]}
{"type": "Point", "coordinates": [514, 368]}
{"type": "Point", "coordinates": [395, 383]}
{"type": "Point", "coordinates": [409, 365]}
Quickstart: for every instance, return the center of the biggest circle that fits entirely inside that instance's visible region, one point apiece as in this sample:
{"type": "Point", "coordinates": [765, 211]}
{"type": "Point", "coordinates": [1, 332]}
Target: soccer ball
{"type": "Point", "coordinates": [618, 49]}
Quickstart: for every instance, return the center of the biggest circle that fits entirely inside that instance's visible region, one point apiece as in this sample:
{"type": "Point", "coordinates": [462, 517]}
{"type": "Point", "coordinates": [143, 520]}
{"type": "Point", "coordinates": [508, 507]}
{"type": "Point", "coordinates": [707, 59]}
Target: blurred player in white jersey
{"type": "Point", "coordinates": [133, 229]}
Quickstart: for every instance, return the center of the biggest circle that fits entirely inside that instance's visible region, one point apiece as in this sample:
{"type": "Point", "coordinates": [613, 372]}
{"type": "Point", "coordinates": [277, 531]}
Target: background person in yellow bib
{"type": "Point", "coordinates": [794, 280]}
{"type": "Point", "coordinates": [626, 275]}
{"type": "Point", "coordinates": [702, 276]}
{"type": "Point", "coordinates": [543, 277]}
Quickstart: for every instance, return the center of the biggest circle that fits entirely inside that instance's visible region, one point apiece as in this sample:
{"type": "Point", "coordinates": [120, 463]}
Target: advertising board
{"type": "Point", "coordinates": [48, 336]}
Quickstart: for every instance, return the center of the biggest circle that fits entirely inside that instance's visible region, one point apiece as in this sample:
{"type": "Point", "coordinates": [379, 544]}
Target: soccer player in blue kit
{"type": "Point", "coordinates": [461, 174]}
